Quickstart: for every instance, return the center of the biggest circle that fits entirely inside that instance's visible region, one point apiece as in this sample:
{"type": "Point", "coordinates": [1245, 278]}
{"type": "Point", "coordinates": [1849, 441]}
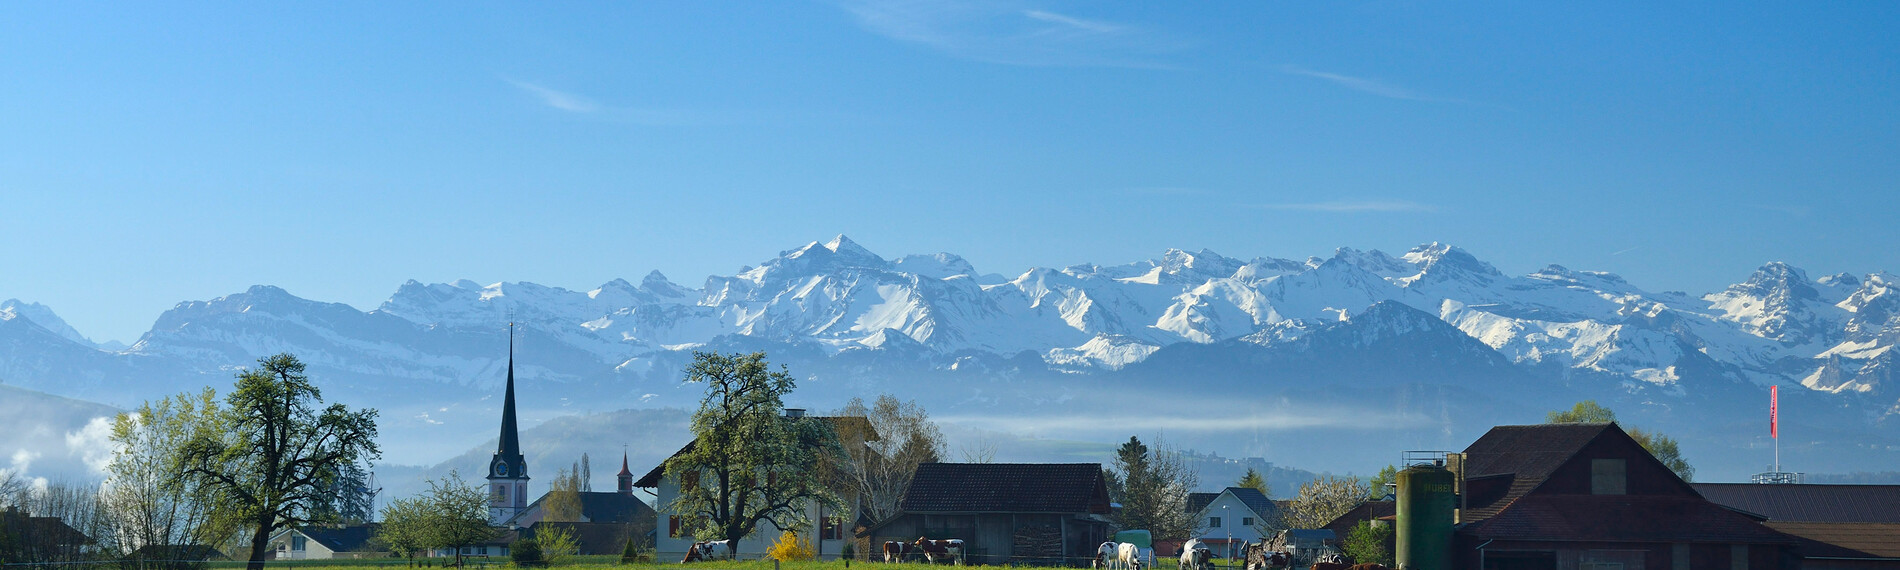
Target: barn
{"type": "Point", "coordinates": [1021, 513]}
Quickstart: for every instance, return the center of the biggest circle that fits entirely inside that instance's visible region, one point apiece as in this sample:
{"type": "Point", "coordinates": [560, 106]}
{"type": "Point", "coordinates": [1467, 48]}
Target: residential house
{"type": "Point", "coordinates": [1019, 513]}
{"type": "Point", "coordinates": [1230, 519]}
{"type": "Point", "coordinates": [1586, 496]}
{"type": "Point", "coordinates": [1838, 526]}
{"type": "Point", "coordinates": [324, 543]}
{"type": "Point", "coordinates": [24, 537]}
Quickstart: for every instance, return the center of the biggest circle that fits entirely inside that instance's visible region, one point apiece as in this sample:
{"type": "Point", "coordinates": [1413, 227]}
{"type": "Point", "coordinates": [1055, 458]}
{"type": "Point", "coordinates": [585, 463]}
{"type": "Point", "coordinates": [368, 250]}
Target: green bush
{"type": "Point", "coordinates": [1368, 544]}
{"type": "Point", "coordinates": [526, 553]}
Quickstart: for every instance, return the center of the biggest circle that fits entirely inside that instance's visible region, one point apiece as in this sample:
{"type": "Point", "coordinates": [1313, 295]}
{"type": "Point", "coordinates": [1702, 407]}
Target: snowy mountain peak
{"type": "Point", "coordinates": [934, 266]}
{"type": "Point", "coordinates": [1777, 282]}
{"type": "Point", "coordinates": [1202, 263]}
{"type": "Point", "coordinates": [43, 316]}
{"type": "Point", "coordinates": [1438, 257]}
{"type": "Point", "coordinates": [657, 284]}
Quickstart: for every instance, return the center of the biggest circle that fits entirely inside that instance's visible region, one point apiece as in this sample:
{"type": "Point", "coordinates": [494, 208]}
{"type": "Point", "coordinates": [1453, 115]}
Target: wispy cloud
{"type": "Point", "coordinates": [1361, 84]}
{"type": "Point", "coordinates": [1163, 191]}
{"type": "Point", "coordinates": [558, 99]}
{"type": "Point", "coordinates": [1353, 206]}
{"type": "Point", "coordinates": [584, 105]}
{"type": "Point", "coordinates": [1008, 32]}
{"type": "Point", "coordinates": [1625, 250]}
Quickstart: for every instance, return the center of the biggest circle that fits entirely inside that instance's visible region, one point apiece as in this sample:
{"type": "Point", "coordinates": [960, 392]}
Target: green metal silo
{"type": "Point", "coordinates": [1426, 499]}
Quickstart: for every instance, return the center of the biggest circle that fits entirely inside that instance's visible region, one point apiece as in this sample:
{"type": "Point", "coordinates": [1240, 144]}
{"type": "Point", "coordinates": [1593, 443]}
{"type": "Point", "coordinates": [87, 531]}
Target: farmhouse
{"type": "Point", "coordinates": [1231, 518]}
{"type": "Point", "coordinates": [1021, 513]}
{"type": "Point", "coordinates": [1544, 497]}
{"type": "Point", "coordinates": [324, 543]}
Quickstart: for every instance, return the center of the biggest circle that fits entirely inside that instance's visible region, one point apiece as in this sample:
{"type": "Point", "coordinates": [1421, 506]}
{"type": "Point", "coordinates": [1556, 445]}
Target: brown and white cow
{"type": "Point", "coordinates": [946, 549]}
{"type": "Point", "coordinates": [711, 550]}
{"type": "Point", "coordinates": [896, 551]}
{"type": "Point", "coordinates": [1196, 556]}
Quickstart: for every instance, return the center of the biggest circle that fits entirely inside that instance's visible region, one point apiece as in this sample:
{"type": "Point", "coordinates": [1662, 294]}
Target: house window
{"type": "Point", "coordinates": [297, 542]}
{"type": "Point", "coordinates": [482, 550]}
{"type": "Point", "coordinates": [1246, 521]}
{"type": "Point", "coordinates": [673, 526]}
{"type": "Point", "coordinates": [501, 491]}
{"type": "Point", "coordinates": [1607, 477]}
{"type": "Point", "coordinates": [833, 529]}
{"type": "Point", "coordinates": [1213, 522]}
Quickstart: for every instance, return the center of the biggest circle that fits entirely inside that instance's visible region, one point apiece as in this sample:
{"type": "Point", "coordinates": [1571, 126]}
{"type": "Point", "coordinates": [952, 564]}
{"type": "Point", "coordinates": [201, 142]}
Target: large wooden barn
{"type": "Point", "coordinates": [1025, 513]}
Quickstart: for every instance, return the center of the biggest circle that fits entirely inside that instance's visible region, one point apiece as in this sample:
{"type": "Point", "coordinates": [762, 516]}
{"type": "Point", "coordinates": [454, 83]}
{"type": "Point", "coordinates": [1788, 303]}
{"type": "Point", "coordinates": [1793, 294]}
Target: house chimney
{"type": "Point", "coordinates": [794, 412]}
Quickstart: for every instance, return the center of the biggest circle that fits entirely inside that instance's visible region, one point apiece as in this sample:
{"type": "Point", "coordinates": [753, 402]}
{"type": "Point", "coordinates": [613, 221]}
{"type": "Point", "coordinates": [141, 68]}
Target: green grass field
{"type": "Point", "coordinates": [575, 563]}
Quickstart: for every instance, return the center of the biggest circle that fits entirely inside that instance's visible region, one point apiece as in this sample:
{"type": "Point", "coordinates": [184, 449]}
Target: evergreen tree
{"type": "Point", "coordinates": [1254, 480]}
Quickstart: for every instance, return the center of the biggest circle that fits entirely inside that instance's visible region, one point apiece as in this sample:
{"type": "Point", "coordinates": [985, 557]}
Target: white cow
{"type": "Point", "coordinates": [1128, 555]}
{"type": "Point", "coordinates": [1104, 556]}
{"type": "Point", "coordinates": [1196, 556]}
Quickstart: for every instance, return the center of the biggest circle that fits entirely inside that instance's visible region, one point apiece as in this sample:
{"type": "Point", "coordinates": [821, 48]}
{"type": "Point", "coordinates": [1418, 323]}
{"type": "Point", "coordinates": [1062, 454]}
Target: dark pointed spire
{"type": "Point", "coordinates": [510, 439]}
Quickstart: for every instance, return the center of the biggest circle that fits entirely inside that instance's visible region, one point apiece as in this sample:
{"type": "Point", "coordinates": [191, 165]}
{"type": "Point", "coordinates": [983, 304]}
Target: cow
{"type": "Point", "coordinates": [1196, 556]}
{"type": "Point", "coordinates": [896, 551]}
{"type": "Point", "coordinates": [1104, 555]}
{"type": "Point", "coordinates": [1128, 556]}
{"type": "Point", "coordinates": [946, 549]}
{"type": "Point", "coordinates": [1368, 566]}
{"type": "Point", "coordinates": [701, 551]}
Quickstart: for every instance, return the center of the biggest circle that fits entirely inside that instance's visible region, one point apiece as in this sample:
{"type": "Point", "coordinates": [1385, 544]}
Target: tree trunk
{"type": "Point", "coordinates": [260, 544]}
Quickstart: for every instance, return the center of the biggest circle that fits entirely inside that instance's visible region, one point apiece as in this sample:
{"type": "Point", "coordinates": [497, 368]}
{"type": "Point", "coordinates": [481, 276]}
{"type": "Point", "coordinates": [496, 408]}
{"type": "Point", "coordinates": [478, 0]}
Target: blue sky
{"type": "Point", "coordinates": [151, 154]}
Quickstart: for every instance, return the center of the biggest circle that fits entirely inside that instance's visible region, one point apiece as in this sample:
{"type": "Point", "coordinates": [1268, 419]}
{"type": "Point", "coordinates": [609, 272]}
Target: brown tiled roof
{"type": "Point", "coordinates": [1007, 488]}
{"type": "Point", "coordinates": [1528, 454]}
{"type": "Point", "coordinates": [1809, 503]}
{"type": "Point", "coordinates": [1621, 518]}
{"type": "Point", "coordinates": [1844, 540]}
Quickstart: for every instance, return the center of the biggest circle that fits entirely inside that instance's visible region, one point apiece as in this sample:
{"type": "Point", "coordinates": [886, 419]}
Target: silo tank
{"type": "Point", "coordinates": [1426, 500]}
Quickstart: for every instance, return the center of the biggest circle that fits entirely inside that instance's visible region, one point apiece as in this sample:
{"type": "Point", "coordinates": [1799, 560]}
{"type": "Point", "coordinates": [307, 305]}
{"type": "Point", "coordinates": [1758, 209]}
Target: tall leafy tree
{"type": "Point", "coordinates": [280, 450]}
{"type": "Point", "coordinates": [883, 451]}
{"type": "Point", "coordinates": [1380, 484]}
{"type": "Point", "coordinates": [1152, 487]}
{"type": "Point", "coordinates": [749, 463]}
{"type": "Point", "coordinates": [147, 502]}
{"type": "Point", "coordinates": [563, 502]}
{"type": "Point", "coordinates": [1663, 447]}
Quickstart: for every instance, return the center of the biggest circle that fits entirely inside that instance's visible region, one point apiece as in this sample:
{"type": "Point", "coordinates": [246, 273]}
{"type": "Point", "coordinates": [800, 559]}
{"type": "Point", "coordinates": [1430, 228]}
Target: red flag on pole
{"type": "Point", "coordinates": [1774, 412]}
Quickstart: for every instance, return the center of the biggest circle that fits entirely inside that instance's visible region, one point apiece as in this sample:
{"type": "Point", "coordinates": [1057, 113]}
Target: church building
{"type": "Point", "coordinates": [508, 471]}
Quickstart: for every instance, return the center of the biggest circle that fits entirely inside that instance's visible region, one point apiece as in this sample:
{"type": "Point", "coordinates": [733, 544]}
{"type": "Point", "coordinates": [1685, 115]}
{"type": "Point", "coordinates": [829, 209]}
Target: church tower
{"type": "Point", "coordinates": [508, 471]}
{"type": "Point", "coordinates": [625, 476]}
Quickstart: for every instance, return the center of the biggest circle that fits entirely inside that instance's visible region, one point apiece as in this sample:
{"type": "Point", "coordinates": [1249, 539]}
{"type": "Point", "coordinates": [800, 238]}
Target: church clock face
{"type": "Point", "coordinates": [501, 469]}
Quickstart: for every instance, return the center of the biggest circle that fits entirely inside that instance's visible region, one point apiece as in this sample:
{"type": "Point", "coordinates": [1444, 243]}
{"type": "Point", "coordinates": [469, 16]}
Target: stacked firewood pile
{"type": "Point", "coordinates": [1038, 541]}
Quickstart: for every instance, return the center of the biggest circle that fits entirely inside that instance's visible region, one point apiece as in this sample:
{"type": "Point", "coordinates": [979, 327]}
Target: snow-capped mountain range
{"type": "Point", "coordinates": [852, 313]}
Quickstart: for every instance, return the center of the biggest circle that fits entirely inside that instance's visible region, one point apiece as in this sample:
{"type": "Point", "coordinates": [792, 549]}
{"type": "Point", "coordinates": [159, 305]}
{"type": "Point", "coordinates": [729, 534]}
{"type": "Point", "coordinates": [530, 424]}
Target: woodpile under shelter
{"type": "Point", "coordinates": [1020, 513]}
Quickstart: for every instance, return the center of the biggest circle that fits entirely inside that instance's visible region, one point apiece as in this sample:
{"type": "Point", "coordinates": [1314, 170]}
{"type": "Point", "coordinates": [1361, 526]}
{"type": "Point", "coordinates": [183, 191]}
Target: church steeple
{"type": "Point", "coordinates": [508, 471]}
{"type": "Point", "coordinates": [625, 476]}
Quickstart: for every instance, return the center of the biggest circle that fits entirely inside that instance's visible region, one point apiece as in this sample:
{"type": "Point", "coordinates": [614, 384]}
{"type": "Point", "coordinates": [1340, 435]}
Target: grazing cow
{"type": "Point", "coordinates": [1196, 556]}
{"type": "Point", "coordinates": [701, 551]}
{"type": "Point", "coordinates": [946, 549]}
{"type": "Point", "coordinates": [896, 551]}
{"type": "Point", "coordinates": [1104, 556]}
{"type": "Point", "coordinates": [1128, 556]}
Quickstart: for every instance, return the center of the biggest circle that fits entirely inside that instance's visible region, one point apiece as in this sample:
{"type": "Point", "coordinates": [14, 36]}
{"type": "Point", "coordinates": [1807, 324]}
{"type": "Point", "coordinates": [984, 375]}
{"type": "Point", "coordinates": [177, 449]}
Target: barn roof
{"type": "Point", "coordinates": [1809, 503]}
{"type": "Point", "coordinates": [342, 539]}
{"type": "Point", "coordinates": [1519, 458]}
{"type": "Point", "coordinates": [1844, 540]}
{"type": "Point", "coordinates": [1007, 488]}
{"type": "Point", "coordinates": [1623, 518]}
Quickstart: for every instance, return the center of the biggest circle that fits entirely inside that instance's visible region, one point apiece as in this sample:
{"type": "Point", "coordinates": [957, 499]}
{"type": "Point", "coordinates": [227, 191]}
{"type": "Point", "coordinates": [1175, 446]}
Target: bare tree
{"type": "Point", "coordinates": [1153, 487]}
{"type": "Point", "coordinates": [883, 452]}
